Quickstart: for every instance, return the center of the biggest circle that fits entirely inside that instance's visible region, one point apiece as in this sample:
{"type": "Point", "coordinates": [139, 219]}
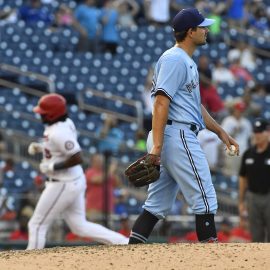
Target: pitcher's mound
{"type": "Point", "coordinates": [141, 257]}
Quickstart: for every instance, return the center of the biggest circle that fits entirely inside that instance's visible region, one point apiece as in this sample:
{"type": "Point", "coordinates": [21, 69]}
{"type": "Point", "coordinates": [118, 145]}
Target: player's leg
{"type": "Point", "coordinates": [192, 173]}
{"type": "Point", "coordinates": [75, 217]}
{"type": "Point", "coordinates": [48, 208]}
{"type": "Point", "coordinates": [161, 195]}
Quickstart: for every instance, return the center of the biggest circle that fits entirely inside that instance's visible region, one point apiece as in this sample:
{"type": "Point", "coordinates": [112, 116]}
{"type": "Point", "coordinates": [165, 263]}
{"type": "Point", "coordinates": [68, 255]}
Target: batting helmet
{"type": "Point", "coordinates": [51, 107]}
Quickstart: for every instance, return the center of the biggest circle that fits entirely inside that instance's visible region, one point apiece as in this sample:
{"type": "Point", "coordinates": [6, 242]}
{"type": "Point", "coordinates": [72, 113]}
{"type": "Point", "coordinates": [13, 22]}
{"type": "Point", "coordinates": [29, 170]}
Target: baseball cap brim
{"type": "Point", "coordinates": [206, 22]}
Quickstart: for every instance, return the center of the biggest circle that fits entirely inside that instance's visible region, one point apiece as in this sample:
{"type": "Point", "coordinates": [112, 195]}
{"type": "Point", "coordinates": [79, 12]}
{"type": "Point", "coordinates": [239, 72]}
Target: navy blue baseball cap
{"type": "Point", "coordinates": [189, 18]}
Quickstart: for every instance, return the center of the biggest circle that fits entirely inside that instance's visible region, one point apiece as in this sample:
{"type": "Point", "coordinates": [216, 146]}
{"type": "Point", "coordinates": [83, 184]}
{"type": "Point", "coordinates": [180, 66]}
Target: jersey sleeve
{"type": "Point", "coordinates": [170, 76]}
{"type": "Point", "coordinates": [67, 142]}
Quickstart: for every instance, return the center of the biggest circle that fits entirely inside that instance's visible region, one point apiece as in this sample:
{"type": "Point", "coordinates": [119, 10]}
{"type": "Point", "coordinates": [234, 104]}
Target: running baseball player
{"type": "Point", "coordinates": [66, 184]}
{"type": "Point", "coordinates": [177, 118]}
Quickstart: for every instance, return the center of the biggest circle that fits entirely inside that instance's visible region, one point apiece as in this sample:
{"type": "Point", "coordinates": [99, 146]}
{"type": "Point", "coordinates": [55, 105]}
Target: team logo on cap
{"type": "Point", "coordinates": [69, 145]}
{"type": "Point", "coordinates": [258, 124]}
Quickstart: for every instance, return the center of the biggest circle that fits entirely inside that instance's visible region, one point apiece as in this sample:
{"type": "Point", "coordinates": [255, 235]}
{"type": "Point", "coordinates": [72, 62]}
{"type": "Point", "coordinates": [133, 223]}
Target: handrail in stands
{"type": "Point", "coordinates": [25, 89]}
{"type": "Point", "coordinates": [30, 74]}
{"type": "Point", "coordinates": [249, 33]}
{"type": "Point", "coordinates": [137, 104]}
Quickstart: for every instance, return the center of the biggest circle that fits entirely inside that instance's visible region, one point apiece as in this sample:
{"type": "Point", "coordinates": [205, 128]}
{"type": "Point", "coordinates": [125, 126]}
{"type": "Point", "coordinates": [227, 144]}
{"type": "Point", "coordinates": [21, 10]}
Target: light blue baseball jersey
{"type": "Point", "coordinates": [177, 76]}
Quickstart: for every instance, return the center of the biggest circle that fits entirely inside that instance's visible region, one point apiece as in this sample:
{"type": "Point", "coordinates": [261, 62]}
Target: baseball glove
{"type": "Point", "coordinates": [143, 171]}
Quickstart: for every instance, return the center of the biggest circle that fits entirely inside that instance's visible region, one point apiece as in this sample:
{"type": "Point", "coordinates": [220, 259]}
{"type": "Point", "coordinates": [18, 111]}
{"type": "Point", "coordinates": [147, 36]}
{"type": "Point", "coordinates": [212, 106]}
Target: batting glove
{"type": "Point", "coordinates": [35, 148]}
{"type": "Point", "coordinates": [46, 167]}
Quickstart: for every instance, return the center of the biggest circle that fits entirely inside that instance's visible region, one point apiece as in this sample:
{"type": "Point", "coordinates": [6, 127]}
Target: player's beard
{"type": "Point", "coordinates": [202, 42]}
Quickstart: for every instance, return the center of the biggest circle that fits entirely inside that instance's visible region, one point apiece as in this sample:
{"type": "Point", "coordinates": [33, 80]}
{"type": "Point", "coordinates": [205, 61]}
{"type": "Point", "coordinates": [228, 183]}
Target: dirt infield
{"type": "Point", "coordinates": [141, 257]}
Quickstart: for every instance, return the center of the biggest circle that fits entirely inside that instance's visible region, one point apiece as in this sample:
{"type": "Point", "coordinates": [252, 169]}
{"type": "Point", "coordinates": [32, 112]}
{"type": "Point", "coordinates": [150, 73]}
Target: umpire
{"type": "Point", "coordinates": [254, 183]}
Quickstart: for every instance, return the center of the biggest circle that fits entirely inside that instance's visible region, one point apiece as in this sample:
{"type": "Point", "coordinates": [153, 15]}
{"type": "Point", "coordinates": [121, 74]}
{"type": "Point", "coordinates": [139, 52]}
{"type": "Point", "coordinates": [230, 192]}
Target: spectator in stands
{"type": "Point", "coordinates": [240, 73]}
{"type": "Point", "coordinates": [64, 18]}
{"type": "Point", "coordinates": [146, 95]}
{"type": "Point", "coordinates": [210, 144]}
{"type": "Point", "coordinates": [245, 54]}
{"type": "Point", "coordinates": [235, 12]}
{"type": "Point", "coordinates": [140, 144]}
{"type": "Point", "coordinates": [254, 184]}
{"type": "Point", "coordinates": [89, 16]}
{"type": "Point", "coordinates": [147, 101]}
{"type": "Point", "coordinates": [258, 18]}
{"type": "Point", "coordinates": [124, 225]}
{"type": "Point", "coordinates": [222, 74]}
{"type": "Point", "coordinates": [204, 69]}
{"type": "Point", "coordinates": [240, 128]}
{"type": "Point", "coordinates": [109, 33]}
{"type": "Point", "coordinates": [253, 102]}
{"type": "Point", "coordinates": [121, 201]}
{"type": "Point", "coordinates": [157, 12]}
{"type": "Point", "coordinates": [209, 95]}
{"type": "Point", "coordinates": [215, 28]}
{"type": "Point", "coordinates": [111, 136]}
{"type": "Point", "coordinates": [127, 9]}
{"type": "Point", "coordinates": [95, 186]}
{"type": "Point", "coordinates": [34, 11]}
{"type": "Point", "coordinates": [211, 100]}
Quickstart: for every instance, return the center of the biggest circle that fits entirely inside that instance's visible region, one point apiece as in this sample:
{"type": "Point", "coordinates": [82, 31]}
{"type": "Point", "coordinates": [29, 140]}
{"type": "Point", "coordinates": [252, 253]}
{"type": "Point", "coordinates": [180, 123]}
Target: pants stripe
{"type": "Point", "coordinates": [47, 213]}
{"type": "Point", "coordinates": [138, 236]}
{"type": "Point", "coordinates": [182, 135]}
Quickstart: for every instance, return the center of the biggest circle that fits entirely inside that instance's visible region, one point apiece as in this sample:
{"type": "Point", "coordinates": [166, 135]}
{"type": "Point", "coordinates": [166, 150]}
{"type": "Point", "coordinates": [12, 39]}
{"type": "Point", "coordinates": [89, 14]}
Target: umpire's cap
{"type": "Point", "coordinates": [260, 125]}
{"type": "Point", "coordinates": [189, 18]}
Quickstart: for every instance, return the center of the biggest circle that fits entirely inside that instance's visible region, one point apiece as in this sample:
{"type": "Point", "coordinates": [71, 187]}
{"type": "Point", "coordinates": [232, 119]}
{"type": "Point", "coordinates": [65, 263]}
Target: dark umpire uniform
{"type": "Point", "coordinates": [254, 183]}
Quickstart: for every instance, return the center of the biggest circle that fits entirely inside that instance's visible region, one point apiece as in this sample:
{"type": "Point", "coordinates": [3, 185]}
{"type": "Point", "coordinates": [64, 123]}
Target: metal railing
{"type": "Point", "coordinates": [30, 74]}
{"type": "Point", "coordinates": [121, 116]}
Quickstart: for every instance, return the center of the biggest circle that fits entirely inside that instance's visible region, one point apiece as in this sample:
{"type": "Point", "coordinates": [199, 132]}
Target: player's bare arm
{"type": "Point", "coordinates": [212, 125]}
{"type": "Point", "coordinates": [160, 117]}
{"type": "Point", "coordinates": [70, 162]}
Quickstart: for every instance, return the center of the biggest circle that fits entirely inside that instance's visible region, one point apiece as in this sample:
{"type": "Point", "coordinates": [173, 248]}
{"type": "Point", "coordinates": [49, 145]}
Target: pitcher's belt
{"type": "Point", "coordinates": [191, 126]}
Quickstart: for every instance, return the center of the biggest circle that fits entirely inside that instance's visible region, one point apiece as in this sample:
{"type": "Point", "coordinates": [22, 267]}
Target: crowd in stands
{"type": "Point", "coordinates": [98, 24]}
